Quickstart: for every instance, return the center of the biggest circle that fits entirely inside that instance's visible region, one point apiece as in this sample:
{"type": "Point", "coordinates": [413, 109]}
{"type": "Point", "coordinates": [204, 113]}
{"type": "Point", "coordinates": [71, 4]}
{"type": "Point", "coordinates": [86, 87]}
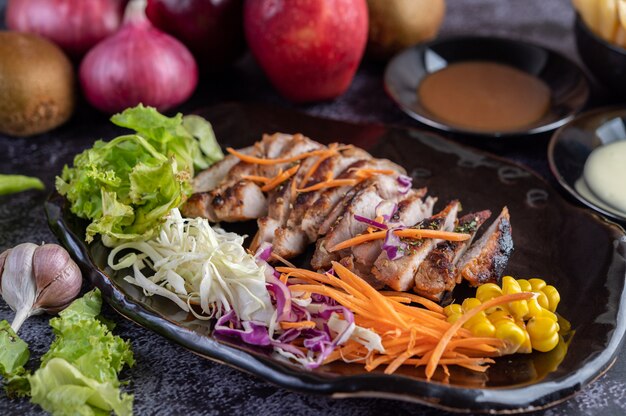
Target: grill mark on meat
{"type": "Point", "coordinates": [437, 273]}
{"type": "Point", "coordinates": [486, 259]}
{"type": "Point", "coordinates": [411, 210]}
{"type": "Point", "coordinates": [399, 274]}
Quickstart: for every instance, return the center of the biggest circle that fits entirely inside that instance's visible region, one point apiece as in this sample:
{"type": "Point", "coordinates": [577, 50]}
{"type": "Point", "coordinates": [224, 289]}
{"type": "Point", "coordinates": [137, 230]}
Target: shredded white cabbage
{"type": "Point", "coordinates": [195, 263]}
{"type": "Point", "coordinates": [369, 339]}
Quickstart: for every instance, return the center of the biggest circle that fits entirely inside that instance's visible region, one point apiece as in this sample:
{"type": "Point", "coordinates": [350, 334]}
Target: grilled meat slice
{"type": "Point", "coordinates": [324, 212]}
{"type": "Point", "coordinates": [373, 191]}
{"type": "Point", "coordinates": [210, 178]}
{"type": "Point", "coordinates": [399, 274]}
{"type": "Point", "coordinates": [346, 226]}
{"type": "Point", "coordinates": [437, 273]}
{"type": "Point", "coordinates": [290, 239]}
{"type": "Point", "coordinates": [487, 258]}
{"type": "Point", "coordinates": [411, 210]}
{"type": "Point", "coordinates": [241, 202]}
{"type": "Point", "coordinates": [279, 199]}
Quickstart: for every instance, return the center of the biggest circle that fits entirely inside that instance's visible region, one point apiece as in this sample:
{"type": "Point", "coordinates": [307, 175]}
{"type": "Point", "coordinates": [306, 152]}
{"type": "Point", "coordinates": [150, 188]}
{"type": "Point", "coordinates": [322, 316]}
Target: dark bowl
{"type": "Point", "coordinates": [566, 80]}
{"type": "Point", "coordinates": [607, 62]}
{"type": "Point", "coordinates": [572, 144]}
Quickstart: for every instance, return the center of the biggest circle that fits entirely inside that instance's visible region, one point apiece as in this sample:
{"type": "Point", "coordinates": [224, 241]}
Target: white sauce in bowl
{"type": "Point", "coordinates": [604, 177]}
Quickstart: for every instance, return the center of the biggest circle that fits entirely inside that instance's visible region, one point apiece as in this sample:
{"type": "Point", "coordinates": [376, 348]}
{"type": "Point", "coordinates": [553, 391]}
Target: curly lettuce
{"type": "Point", "coordinates": [79, 374]}
{"type": "Point", "coordinates": [128, 185]}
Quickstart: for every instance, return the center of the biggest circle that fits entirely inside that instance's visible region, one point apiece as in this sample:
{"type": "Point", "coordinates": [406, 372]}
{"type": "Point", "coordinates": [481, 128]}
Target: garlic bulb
{"type": "Point", "coordinates": [36, 279]}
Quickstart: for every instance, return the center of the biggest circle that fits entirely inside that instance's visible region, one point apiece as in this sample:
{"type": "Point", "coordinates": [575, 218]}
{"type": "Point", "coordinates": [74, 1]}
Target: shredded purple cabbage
{"type": "Point", "coordinates": [393, 245]}
{"type": "Point", "coordinates": [250, 332]}
{"type": "Point", "coordinates": [370, 222]}
{"type": "Point", "coordinates": [264, 252]}
{"type": "Point", "coordinates": [405, 183]}
{"type": "Point", "coordinates": [319, 341]}
{"type": "Point", "coordinates": [386, 209]}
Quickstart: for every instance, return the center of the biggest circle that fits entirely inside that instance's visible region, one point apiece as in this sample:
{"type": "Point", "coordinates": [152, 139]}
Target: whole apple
{"type": "Point", "coordinates": [309, 49]}
{"type": "Point", "coordinates": [211, 29]}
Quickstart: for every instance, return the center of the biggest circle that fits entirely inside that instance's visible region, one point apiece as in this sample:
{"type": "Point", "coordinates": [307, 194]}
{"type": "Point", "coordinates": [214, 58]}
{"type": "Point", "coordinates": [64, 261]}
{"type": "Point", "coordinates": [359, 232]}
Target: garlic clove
{"type": "Point", "coordinates": [18, 283]}
{"type": "Point", "coordinates": [3, 257]}
{"type": "Point", "coordinates": [57, 276]}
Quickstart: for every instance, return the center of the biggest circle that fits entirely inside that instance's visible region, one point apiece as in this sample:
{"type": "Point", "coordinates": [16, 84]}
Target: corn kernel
{"type": "Point", "coordinates": [488, 291]}
{"type": "Point", "coordinates": [470, 303]}
{"type": "Point", "coordinates": [537, 284]}
{"type": "Point", "coordinates": [452, 309]}
{"type": "Point", "coordinates": [534, 308]}
{"type": "Point", "coordinates": [475, 320]}
{"type": "Point", "coordinates": [543, 333]}
{"type": "Point", "coordinates": [546, 344]}
{"type": "Point", "coordinates": [519, 309]}
{"type": "Point", "coordinates": [454, 317]}
{"type": "Point", "coordinates": [512, 334]}
{"type": "Point", "coordinates": [524, 285]}
{"type": "Point", "coordinates": [510, 285]}
{"type": "Point", "coordinates": [553, 297]}
{"type": "Point", "coordinates": [543, 300]}
{"type": "Point", "coordinates": [498, 316]}
{"type": "Point", "coordinates": [483, 328]}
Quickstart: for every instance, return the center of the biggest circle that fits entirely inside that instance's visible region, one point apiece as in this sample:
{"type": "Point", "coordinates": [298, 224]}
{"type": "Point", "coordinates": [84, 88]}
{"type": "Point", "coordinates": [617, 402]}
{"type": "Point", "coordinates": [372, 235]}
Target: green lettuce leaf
{"type": "Point", "coordinates": [13, 351]}
{"type": "Point", "coordinates": [189, 139]}
{"type": "Point", "coordinates": [61, 389]}
{"type": "Point", "coordinates": [79, 373]}
{"type": "Point", "coordinates": [126, 186]}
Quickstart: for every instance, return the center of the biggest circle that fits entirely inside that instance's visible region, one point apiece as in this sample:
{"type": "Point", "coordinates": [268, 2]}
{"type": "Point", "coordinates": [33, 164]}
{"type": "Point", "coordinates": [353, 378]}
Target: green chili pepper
{"type": "Point", "coordinates": [10, 184]}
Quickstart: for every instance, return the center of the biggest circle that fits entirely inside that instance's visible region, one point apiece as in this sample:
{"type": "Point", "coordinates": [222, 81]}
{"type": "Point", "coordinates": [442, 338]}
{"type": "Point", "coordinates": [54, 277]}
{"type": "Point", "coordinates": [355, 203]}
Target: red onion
{"type": "Point", "coordinates": [74, 25]}
{"type": "Point", "coordinates": [211, 29]}
{"type": "Point", "coordinates": [138, 64]}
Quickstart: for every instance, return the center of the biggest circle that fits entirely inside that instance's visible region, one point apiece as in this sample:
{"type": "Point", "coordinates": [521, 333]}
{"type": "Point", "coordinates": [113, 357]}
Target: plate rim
{"type": "Point", "coordinates": [516, 134]}
{"type": "Point", "coordinates": [296, 379]}
{"type": "Point", "coordinates": [557, 173]}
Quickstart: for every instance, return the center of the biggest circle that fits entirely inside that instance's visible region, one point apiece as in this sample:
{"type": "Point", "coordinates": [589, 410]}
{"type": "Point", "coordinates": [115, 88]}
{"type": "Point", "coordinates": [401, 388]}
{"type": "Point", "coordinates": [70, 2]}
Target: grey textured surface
{"type": "Point", "coordinates": [167, 379]}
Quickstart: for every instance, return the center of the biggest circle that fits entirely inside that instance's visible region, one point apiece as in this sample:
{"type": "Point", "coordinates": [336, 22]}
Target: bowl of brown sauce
{"type": "Point", "coordinates": [486, 86]}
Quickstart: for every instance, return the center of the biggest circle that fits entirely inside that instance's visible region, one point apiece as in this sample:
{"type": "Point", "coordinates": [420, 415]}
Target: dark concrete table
{"type": "Point", "coordinates": [168, 379]}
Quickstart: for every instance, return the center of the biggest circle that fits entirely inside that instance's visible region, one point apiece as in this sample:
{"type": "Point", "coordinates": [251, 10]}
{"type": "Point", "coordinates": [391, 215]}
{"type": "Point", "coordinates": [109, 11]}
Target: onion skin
{"type": "Point", "coordinates": [211, 29]}
{"type": "Point", "coordinates": [138, 64]}
{"type": "Point", "coordinates": [75, 25]}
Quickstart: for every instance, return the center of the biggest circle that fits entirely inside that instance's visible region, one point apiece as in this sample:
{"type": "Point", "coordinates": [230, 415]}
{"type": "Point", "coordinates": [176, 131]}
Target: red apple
{"type": "Point", "coordinates": [309, 49]}
{"type": "Point", "coordinates": [211, 29]}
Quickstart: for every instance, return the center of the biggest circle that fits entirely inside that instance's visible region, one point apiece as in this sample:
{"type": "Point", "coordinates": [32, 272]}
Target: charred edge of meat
{"type": "Point", "coordinates": [493, 251]}
{"type": "Point", "coordinates": [437, 274]}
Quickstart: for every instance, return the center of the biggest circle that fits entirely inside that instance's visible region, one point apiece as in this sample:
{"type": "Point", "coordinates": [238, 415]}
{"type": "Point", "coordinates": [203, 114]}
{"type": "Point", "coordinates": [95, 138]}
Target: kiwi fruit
{"type": "Point", "coordinates": [37, 85]}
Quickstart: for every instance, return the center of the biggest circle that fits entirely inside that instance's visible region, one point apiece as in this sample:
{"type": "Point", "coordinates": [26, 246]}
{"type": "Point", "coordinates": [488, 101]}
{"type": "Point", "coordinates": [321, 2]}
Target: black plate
{"type": "Point", "coordinates": [574, 249]}
{"type": "Point", "coordinates": [572, 144]}
{"type": "Point", "coordinates": [567, 82]}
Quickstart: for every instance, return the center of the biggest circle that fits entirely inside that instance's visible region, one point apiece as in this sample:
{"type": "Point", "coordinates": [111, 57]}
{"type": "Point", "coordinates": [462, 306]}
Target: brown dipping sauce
{"type": "Point", "coordinates": [484, 96]}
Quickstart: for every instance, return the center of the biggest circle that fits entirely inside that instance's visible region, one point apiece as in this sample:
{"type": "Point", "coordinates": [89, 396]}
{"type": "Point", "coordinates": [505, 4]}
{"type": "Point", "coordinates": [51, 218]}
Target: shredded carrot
{"type": "Point", "coordinates": [299, 325]}
{"type": "Point", "coordinates": [447, 336]}
{"type": "Point", "coordinates": [282, 260]}
{"type": "Point", "coordinates": [255, 178]}
{"type": "Point", "coordinates": [427, 303]}
{"type": "Point", "coordinates": [365, 173]}
{"type": "Point", "coordinates": [261, 161]}
{"type": "Point", "coordinates": [414, 233]}
{"type": "Point", "coordinates": [415, 335]}
{"type": "Point", "coordinates": [331, 183]}
{"type": "Point", "coordinates": [332, 150]}
{"type": "Point", "coordinates": [280, 178]}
